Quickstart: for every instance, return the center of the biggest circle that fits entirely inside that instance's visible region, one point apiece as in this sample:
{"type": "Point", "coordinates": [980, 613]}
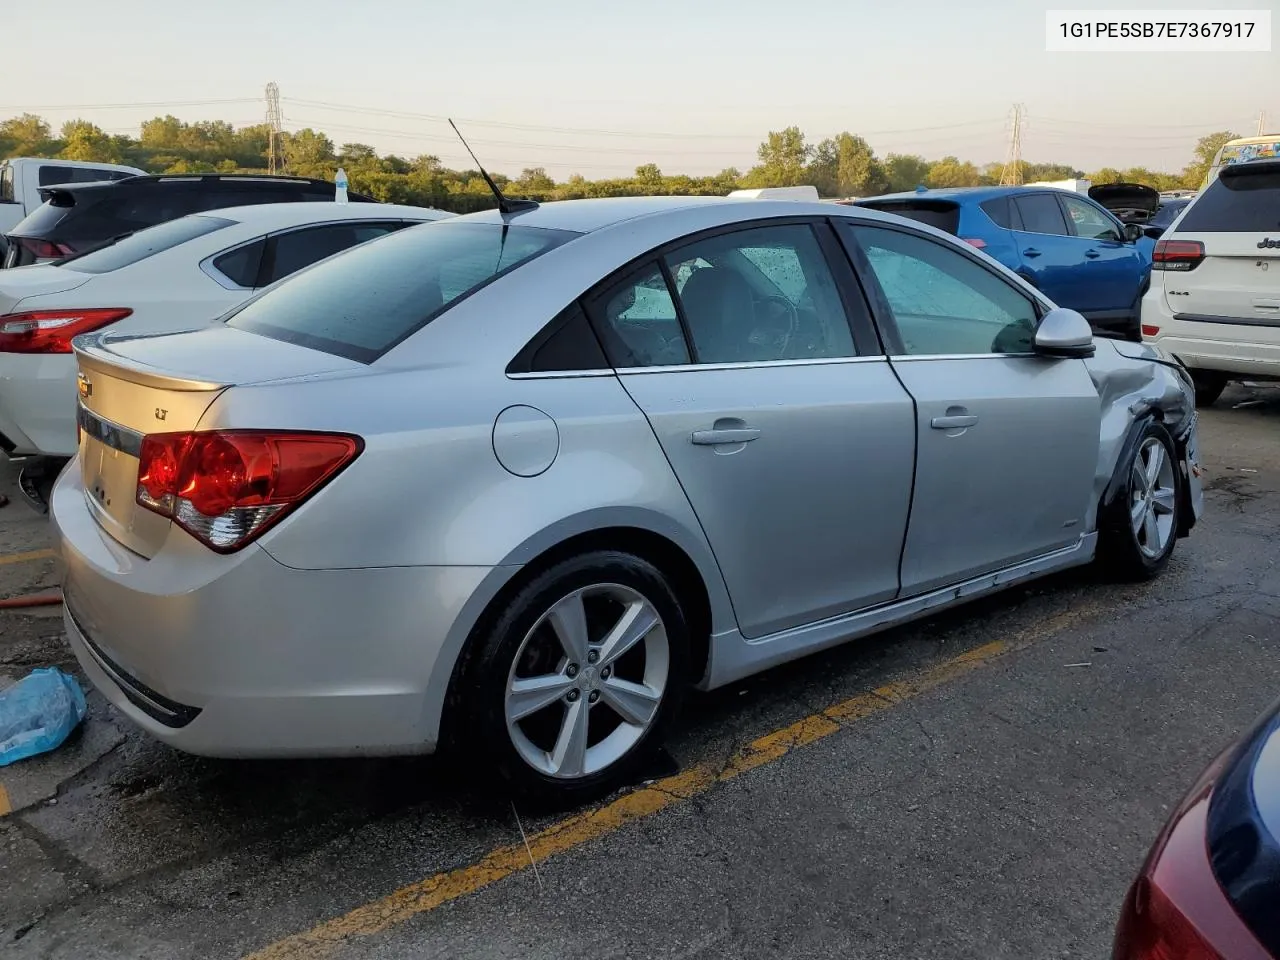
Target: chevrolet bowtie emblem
{"type": "Point", "coordinates": [84, 385]}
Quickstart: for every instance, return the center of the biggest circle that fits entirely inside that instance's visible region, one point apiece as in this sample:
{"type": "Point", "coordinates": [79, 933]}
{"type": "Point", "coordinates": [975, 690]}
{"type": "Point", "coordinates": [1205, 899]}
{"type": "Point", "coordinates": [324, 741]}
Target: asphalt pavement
{"type": "Point", "coordinates": [980, 785]}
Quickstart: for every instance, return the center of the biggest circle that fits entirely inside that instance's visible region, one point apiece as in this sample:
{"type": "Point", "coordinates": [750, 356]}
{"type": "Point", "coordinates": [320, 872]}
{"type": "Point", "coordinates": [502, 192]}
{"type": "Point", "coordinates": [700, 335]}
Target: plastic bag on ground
{"type": "Point", "coordinates": [38, 713]}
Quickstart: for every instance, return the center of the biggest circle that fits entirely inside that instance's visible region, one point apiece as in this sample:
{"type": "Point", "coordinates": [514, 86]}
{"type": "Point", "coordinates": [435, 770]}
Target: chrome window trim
{"type": "Point", "coordinates": [693, 367]}
{"type": "Point", "coordinates": [908, 358]}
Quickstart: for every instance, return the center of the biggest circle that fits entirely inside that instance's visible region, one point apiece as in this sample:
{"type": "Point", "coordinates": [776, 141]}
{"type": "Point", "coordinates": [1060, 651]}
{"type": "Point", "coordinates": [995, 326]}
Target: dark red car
{"type": "Point", "coordinates": [1210, 889]}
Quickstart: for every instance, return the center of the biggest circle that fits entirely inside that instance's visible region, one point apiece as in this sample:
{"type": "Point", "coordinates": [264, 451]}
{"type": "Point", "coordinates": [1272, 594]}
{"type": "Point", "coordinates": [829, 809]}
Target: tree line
{"type": "Point", "coordinates": [840, 166]}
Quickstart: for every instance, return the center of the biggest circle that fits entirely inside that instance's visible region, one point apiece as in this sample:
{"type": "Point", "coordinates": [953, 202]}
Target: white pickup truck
{"type": "Point", "coordinates": [22, 178]}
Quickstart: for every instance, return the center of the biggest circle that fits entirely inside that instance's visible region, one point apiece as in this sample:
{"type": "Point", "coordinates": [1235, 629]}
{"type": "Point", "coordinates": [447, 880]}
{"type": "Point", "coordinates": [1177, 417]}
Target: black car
{"type": "Point", "coordinates": [79, 217]}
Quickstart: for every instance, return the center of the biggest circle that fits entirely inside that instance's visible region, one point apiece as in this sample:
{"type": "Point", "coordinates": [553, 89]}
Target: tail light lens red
{"type": "Point", "coordinates": [1150, 330]}
{"type": "Point", "coordinates": [43, 249]}
{"type": "Point", "coordinates": [51, 331]}
{"type": "Point", "coordinates": [1152, 928]}
{"type": "Point", "coordinates": [975, 242]}
{"type": "Point", "coordinates": [1178, 255]}
{"type": "Point", "coordinates": [226, 488]}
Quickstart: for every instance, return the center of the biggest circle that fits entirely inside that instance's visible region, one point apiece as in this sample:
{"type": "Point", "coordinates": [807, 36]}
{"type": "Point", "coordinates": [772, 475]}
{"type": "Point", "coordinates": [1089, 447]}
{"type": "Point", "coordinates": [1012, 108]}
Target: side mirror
{"type": "Point", "coordinates": [1133, 232]}
{"type": "Point", "coordinates": [1064, 333]}
{"type": "Point", "coordinates": [1153, 232]}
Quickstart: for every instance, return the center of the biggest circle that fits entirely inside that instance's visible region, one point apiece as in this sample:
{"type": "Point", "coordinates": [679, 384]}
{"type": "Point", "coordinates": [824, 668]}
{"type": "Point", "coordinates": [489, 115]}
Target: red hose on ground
{"type": "Point", "coordinates": [31, 600]}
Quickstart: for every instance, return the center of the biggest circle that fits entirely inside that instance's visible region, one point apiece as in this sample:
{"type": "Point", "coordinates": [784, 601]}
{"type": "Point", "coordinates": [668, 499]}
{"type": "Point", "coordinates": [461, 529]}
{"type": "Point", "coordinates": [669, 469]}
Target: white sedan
{"type": "Point", "coordinates": [175, 276]}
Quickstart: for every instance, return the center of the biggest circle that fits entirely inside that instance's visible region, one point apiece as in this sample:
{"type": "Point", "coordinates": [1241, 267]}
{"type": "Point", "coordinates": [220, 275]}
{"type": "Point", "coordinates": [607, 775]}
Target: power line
{"type": "Point", "coordinates": [125, 106]}
{"type": "Point", "coordinates": [595, 131]}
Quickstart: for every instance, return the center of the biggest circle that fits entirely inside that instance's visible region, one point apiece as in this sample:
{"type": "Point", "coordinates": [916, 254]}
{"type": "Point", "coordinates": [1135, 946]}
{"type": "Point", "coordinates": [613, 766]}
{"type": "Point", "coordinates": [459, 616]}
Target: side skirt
{"type": "Point", "coordinates": [733, 657]}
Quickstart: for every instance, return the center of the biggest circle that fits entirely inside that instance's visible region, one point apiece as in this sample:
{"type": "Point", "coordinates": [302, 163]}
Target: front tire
{"type": "Point", "coordinates": [573, 687]}
{"type": "Point", "coordinates": [1139, 530]}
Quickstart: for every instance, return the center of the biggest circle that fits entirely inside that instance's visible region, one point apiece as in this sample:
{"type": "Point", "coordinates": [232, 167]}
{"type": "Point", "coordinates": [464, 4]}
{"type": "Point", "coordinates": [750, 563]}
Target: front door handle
{"type": "Point", "coordinates": [1091, 255]}
{"type": "Point", "coordinates": [1031, 252]}
{"type": "Point", "coordinates": [709, 438]}
{"type": "Point", "coordinates": [956, 422]}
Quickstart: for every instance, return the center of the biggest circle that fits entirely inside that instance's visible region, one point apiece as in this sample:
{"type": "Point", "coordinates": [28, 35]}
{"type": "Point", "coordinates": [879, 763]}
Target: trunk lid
{"type": "Point", "coordinates": [1131, 202]}
{"type": "Point", "coordinates": [36, 281]}
{"type": "Point", "coordinates": [134, 386]}
{"type": "Point", "coordinates": [1237, 219]}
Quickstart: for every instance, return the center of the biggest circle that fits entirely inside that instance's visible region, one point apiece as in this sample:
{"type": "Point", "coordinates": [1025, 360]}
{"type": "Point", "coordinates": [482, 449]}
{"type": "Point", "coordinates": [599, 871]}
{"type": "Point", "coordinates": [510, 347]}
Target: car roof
{"type": "Point", "coordinates": [586, 216]}
{"type": "Point", "coordinates": [270, 215]}
{"type": "Point", "coordinates": [975, 194]}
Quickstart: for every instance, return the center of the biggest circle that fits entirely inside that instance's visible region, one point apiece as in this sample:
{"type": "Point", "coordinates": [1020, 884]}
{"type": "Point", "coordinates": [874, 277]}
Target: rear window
{"type": "Point", "coordinates": [144, 243]}
{"type": "Point", "coordinates": [942, 214]}
{"type": "Point", "coordinates": [363, 303]}
{"type": "Point", "coordinates": [1241, 200]}
{"type": "Point", "coordinates": [50, 176]}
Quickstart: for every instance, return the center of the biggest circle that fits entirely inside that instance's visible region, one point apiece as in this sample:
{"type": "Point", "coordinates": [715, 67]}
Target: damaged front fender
{"type": "Point", "coordinates": [1137, 382]}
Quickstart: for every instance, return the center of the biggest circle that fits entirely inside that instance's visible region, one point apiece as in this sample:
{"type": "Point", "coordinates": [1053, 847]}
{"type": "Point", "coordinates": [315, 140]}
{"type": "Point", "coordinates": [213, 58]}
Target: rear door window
{"type": "Point", "coordinates": [1241, 200]}
{"type": "Point", "coordinates": [241, 265]}
{"type": "Point", "coordinates": [144, 244]}
{"type": "Point", "coordinates": [364, 303]}
{"type": "Point", "coordinates": [51, 175]}
{"type": "Point", "coordinates": [288, 253]}
{"type": "Point", "coordinates": [1041, 213]}
{"type": "Point", "coordinates": [1001, 212]}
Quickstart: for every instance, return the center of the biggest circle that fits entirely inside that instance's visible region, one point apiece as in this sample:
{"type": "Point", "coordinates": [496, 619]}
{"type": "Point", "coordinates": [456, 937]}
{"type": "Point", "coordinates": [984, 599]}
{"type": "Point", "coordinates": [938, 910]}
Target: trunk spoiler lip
{"type": "Point", "coordinates": [92, 352]}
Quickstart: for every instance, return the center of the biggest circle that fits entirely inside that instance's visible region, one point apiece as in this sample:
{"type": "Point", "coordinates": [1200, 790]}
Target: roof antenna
{"type": "Point", "coordinates": [505, 206]}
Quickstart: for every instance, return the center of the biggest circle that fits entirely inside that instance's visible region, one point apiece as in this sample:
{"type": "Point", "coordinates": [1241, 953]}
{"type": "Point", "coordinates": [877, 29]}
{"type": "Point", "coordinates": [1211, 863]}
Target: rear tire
{"type": "Point", "coordinates": [1138, 531]}
{"type": "Point", "coordinates": [569, 692]}
{"type": "Point", "coordinates": [1209, 386]}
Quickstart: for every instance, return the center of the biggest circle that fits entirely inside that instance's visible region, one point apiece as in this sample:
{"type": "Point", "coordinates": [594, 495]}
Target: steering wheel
{"type": "Point", "coordinates": [777, 322]}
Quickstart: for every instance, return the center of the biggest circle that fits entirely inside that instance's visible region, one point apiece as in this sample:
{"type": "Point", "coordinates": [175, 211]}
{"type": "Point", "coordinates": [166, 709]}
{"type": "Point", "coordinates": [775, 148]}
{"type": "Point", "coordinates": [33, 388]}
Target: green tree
{"type": "Point", "coordinates": [783, 158]}
{"type": "Point", "coordinates": [308, 152]}
{"type": "Point", "coordinates": [532, 180]}
{"type": "Point", "coordinates": [1202, 157]}
{"type": "Point", "coordinates": [1107, 175]}
{"type": "Point", "coordinates": [952, 172]}
{"type": "Point", "coordinates": [650, 175]}
{"type": "Point", "coordinates": [87, 141]}
{"type": "Point", "coordinates": [904, 172]}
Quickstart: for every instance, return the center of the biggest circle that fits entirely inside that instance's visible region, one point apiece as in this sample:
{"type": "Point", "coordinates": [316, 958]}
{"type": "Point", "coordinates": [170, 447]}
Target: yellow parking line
{"type": "Point", "coordinates": [425, 895]}
{"type": "Point", "coordinates": [24, 557]}
{"type": "Point", "coordinates": [5, 805]}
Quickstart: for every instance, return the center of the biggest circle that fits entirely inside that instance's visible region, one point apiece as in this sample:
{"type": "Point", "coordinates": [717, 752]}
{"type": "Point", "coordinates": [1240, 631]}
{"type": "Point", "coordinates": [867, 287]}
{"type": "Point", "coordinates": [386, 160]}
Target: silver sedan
{"type": "Point", "coordinates": [514, 483]}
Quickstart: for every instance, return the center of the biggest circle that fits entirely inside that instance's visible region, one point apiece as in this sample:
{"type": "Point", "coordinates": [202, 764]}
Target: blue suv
{"type": "Point", "coordinates": [1070, 247]}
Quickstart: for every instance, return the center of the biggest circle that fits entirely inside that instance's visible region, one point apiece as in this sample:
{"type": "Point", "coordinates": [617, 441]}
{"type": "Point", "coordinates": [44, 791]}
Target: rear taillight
{"type": "Point", "coordinates": [1179, 255]}
{"type": "Point", "coordinates": [1150, 330]}
{"type": "Point", "coordinates": [51, 331]}
{"type": "Point", "coordinates": [1152, 928]}
{"type": "Point", "coordinates": [975, 242]}
{"type": "Point", "coordinates": [44, 249]}
{"type": "Point", "coordinates": [225, 488]}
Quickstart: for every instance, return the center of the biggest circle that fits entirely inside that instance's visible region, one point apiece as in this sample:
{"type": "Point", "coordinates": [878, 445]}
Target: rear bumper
{"type": "Point", "coordinates": [241, 656]}
{"type": "Point", "coordinates": [38, 404]}
{"type": "Point", "coordinates": [1243, 349]}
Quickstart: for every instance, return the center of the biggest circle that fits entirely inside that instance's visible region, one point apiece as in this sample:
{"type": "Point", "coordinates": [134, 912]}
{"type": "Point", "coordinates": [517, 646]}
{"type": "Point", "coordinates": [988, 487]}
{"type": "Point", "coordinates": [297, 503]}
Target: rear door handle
{"type": "Point", "coordinates": [710, 438]}
{"type": "Point", "coordinates": [953, 422]}
{"type": "Point", "coordinates": [1091, 255]}
{"type": "Point", "coordinates": [1031, 252]}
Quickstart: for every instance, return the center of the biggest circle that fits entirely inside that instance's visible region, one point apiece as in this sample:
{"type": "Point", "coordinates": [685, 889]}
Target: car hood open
{"type": "Point", "coordinates": [1129, 201]}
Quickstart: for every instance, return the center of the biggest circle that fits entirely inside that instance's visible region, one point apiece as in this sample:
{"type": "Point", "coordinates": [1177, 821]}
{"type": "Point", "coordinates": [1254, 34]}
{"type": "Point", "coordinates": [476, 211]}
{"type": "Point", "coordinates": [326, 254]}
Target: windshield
{"type": "Point", "coordinates": [131, 248]}
{"type": "Point", "coordinates": [362, 303]}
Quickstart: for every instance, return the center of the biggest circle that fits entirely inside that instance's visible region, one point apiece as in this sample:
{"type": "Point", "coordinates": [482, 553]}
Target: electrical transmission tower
{"type": "Point", "coordinates": [275, 131]}
{"type": "Point", "coordinates": [1011, 175]}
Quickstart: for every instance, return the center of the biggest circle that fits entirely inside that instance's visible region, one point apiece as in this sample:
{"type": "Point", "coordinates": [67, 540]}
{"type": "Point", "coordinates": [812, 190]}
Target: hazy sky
{"type": "Point", "coordinates": [598, 88]}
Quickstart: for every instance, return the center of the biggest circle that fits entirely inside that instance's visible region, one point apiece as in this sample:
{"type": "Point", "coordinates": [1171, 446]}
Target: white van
{"type": "Point", "coordinates": [22, 178]}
